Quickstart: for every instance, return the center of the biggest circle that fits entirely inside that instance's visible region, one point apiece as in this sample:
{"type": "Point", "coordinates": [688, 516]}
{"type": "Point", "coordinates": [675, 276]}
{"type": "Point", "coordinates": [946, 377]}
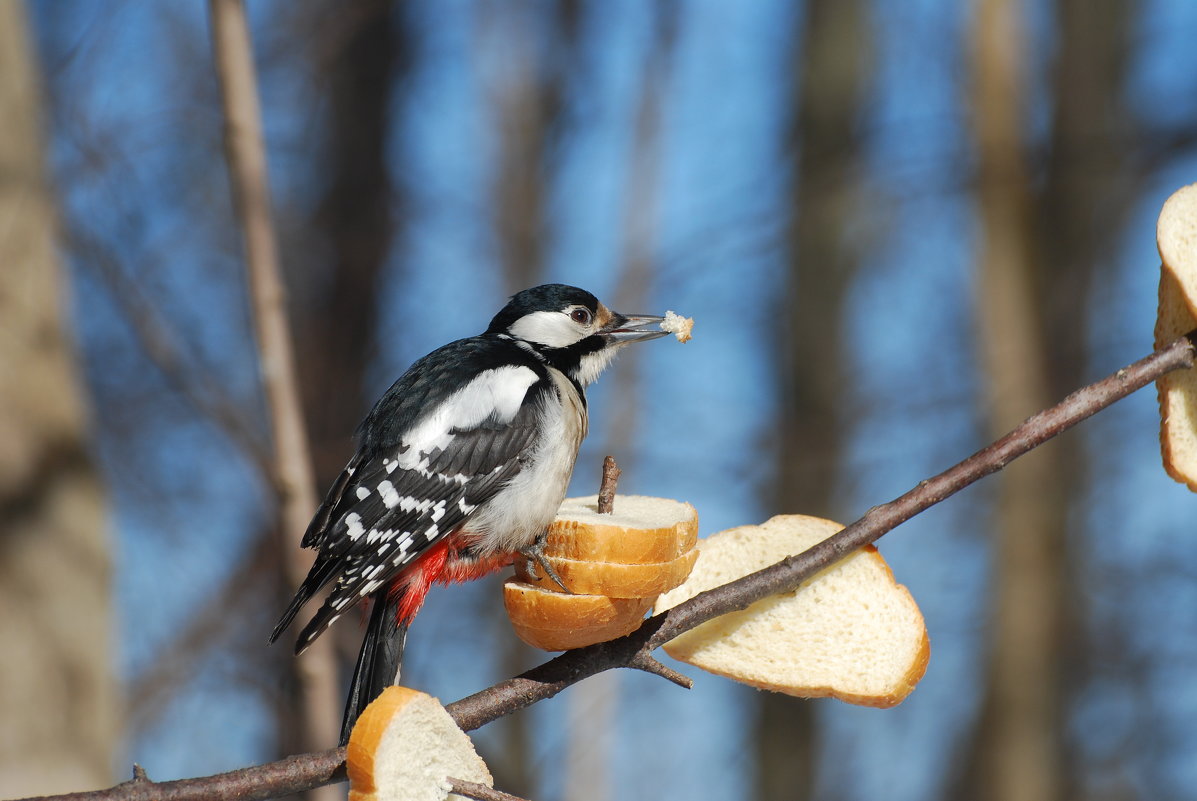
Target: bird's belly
{"type": "Point", "coordinates": [521, 511]}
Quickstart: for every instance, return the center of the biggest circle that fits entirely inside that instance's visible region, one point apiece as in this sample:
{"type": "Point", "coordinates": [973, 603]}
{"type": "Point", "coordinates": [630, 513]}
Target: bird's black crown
{"type": "Point", "coordinates": [546, 297]}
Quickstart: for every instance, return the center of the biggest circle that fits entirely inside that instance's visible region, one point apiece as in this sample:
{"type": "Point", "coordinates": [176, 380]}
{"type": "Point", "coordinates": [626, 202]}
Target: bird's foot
{"type": "Point", "coordinates": [534, 553]}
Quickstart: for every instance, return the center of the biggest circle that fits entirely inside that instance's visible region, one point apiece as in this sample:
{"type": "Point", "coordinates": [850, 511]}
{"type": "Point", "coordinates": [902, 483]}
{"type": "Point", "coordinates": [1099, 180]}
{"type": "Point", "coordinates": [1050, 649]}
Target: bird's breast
{"type": "Point", "coordinates": [516, 516]}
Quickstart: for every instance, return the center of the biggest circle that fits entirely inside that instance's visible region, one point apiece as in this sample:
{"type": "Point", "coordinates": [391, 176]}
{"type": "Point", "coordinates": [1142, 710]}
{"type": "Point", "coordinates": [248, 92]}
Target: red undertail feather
{"type": "Point", "coordinates": [443, 563]}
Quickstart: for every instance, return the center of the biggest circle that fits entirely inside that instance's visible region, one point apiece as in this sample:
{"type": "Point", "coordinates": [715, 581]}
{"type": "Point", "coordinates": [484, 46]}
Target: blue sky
{"type": "Point", "coordinates": [136, 79]}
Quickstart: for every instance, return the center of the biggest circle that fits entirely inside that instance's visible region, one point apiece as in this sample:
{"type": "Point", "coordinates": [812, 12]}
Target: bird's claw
{"type": "Point", "coordinates": [534, 554]}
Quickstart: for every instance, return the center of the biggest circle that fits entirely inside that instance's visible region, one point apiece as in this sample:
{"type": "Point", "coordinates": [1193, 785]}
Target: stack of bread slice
{"type": "Point", "coordinates": [1176, 236]}
{"type": "Point", "coordinates": [615, 565]}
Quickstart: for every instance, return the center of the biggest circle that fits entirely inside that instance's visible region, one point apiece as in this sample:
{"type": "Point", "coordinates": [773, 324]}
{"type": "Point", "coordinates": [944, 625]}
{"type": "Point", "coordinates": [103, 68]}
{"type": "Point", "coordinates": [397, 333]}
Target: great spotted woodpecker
{"type": "Point", "coordinates": [460, 468]}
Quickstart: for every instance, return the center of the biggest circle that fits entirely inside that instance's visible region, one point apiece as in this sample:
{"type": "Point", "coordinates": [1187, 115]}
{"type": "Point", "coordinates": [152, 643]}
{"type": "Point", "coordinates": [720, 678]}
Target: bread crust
{"type": "Point", "coordinates": [367, 734]}
{"type": "Point", "coordinates": [1176, 236]}
{"type": "Point", "coordinates": [1176, 239]}
{"type": "Point", "coordinates": [731, 646]}
{"type": "Point", "coordinates": [614, 564]}
{"type": "Point", "coordinates": [554, 621]}
{"type": "Point", "coordinates": [625, 545]}
{"type": "Point", "coordinates": [431, 747]}
{"type": "Point", "coordinates": [611, 579]}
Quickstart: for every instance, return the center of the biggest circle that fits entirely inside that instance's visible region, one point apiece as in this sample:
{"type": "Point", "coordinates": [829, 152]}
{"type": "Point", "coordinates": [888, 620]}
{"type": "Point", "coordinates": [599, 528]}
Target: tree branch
{"type": "Point", "coordinates": [294, 482]}
{"type": "Point", "coordinates": [480, 791]}
{"type": "Point", "coordinates": [312, 770]}
{"type": "Point", "coordinates": [606, 493]}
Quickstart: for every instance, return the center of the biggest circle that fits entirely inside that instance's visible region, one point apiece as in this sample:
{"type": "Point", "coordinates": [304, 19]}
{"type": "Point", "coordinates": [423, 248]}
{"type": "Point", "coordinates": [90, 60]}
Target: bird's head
{"type": "Point", "coordinates": [571, 329]}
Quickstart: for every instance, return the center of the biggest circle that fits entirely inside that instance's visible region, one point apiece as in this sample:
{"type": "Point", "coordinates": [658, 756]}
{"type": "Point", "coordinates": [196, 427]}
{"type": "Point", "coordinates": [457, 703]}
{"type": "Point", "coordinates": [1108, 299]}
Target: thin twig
{"type": "Point", "coordinates": [311, 770]}
{"type": "Point", "coordinates": [481, 792]}
{"type": "Point", "coordinates": [162, 346]}
{"type": "Point", "coordinates": [606, 493]}
{"type": "Point", "coordinates": [246, 155]}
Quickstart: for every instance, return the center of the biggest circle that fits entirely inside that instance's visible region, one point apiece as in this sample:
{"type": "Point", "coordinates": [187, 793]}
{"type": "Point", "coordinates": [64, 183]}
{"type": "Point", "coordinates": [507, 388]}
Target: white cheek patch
{"type": "Point", "coordinates": [553, 329]}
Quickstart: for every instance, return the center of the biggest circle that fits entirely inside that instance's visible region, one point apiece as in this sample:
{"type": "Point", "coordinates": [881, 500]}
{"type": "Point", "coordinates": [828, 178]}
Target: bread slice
{"type": "Point", "coordinates": [554, 621]}
{"type": "Point", "coordinates": [640, 530]}
{"type": "Point", "coordinates": [1176, 236]}
{"type": "Point", "coordinates": [608, 578]}
{"type": "Point", "coordinates": [405, 747]}
{"type": "Point", "coordinates": [850, 632]}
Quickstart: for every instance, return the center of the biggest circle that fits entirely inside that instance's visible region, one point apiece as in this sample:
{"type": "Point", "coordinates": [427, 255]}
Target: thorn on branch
{"type": "Point", "coordinates": [139, 774]}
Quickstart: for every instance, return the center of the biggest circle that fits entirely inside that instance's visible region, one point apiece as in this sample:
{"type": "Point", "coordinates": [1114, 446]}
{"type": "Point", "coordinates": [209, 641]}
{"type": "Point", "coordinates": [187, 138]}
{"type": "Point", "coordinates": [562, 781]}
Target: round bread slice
{"type": "Point", "coordinates": [554, 621]}
{"type": "Point", "coordinates": [850, 632]}
{"type": "Point", "coordinates": [405, 747]}
{"type": "Point", "coordinates": [1176, 235]}
{"type": "Point", "coordinates": [609, 578]}
{"type": "Point", "coordinates": [640, 530]}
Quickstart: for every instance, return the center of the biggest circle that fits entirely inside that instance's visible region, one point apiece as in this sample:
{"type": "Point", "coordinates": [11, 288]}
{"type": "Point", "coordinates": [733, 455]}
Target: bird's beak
{"type": "Point", "coordinates": [625, 328]}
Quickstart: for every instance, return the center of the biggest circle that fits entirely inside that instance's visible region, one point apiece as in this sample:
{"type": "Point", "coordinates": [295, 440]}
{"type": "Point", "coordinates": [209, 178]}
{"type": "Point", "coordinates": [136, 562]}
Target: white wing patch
{"type": "Point", "coordinates": [390, 496]}
{"type": "Point", "coordinates": [496, 393]}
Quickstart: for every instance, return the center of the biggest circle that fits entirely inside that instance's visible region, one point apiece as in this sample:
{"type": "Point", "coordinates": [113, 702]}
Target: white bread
{"type": "Point", "coordinates": [405, 747]}
{"type": "Point", "coordinates": [610, 578]}
{"type": "Point", "coordinates": [554, 621]}
{"type": "Point", "coordinates": [681, 327]}
{"type": "Point", "coordinates": [615, 565]}
{"type": "Point", "coordinates": [640, 530]}
{"type": "Point", "coordinates": [850, 632]}
{"type": "Point", "coordinates": [1176, 236]}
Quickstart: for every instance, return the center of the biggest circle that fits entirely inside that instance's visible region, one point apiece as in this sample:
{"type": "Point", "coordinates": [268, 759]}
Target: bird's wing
{"type": "Point", "coordinates": [398, 502]}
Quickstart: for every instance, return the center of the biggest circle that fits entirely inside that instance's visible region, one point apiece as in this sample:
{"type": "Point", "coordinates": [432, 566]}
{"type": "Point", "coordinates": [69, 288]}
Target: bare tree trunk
{"type": "Point", "coordinates": [1018, 747]}
{"type": "Point", "coordinates": [828, 87]}
{"type": "Point", "coordinates": [295, 484]}
{"type": "Point", "coordinates": [589, 764]}
{"type": "Point", "coordinates": [60, 723]}
{"type": "Point", "coordinates": [1041, 253]}
{"type": "Point", "coordinates": [529, 112]}
{"type": "Point", "coordinates": [529, 106]}
{"type": "Point", "coordinates": [360, 64]}
{"type": "Point", "coordinates": [1092, 182]}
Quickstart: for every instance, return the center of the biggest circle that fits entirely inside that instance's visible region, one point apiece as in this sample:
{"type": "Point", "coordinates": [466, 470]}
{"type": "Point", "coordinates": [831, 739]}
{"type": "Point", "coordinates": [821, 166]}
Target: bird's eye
{"type": "Point", "coordinates": [580, 316]}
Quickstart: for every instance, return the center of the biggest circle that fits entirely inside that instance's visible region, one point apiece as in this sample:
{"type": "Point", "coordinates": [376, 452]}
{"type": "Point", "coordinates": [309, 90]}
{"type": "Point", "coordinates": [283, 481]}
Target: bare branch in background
{"type": "Point", "coordinates": [317, 671]}
{"type": "Point", "coordinates": [1018, 738]}
{"type": "Point", "coordinates": [311, 770]}
{"type": "Point", "coordinates": [829, 89]}
{"type": "Point", "coordinates": [161, 345]}
{"type": "Point", "coordinates": [527, 107]}
{"type": "Point", "coordinates": [149, 691]}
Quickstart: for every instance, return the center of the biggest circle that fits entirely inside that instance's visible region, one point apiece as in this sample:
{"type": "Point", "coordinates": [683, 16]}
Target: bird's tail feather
{"type": "Point", "coordinates": [378, 662]}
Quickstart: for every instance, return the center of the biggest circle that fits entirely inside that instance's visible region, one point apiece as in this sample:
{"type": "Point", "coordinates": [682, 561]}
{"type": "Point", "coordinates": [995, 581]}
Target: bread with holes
{"type": "Point", "coordinates": [850, 632]}
{"type": "Point", "coordinates": [405, 747]}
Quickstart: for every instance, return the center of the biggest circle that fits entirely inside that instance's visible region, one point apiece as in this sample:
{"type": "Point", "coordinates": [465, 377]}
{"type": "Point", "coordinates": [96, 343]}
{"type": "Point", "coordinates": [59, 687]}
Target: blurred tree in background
{"type": "Point", "coordinates": [55, 558]}
{"type": "Point", "coordinates": [901, 228]}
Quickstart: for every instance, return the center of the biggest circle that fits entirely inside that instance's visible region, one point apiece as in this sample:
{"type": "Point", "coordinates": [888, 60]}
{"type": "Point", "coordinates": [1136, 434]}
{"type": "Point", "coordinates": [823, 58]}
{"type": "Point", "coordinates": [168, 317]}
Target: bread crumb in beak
{"type": "Point", "coordinates": [678, 325]}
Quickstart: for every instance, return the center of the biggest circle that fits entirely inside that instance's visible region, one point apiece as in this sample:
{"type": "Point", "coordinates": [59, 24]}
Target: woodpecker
{"type": "Point", "coordinates": [460, 467]}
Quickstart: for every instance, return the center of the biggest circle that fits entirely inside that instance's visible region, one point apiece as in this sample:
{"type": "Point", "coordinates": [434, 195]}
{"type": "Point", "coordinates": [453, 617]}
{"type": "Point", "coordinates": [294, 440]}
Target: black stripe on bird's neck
{"type": "Point", "coordinates": [569, 359]}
